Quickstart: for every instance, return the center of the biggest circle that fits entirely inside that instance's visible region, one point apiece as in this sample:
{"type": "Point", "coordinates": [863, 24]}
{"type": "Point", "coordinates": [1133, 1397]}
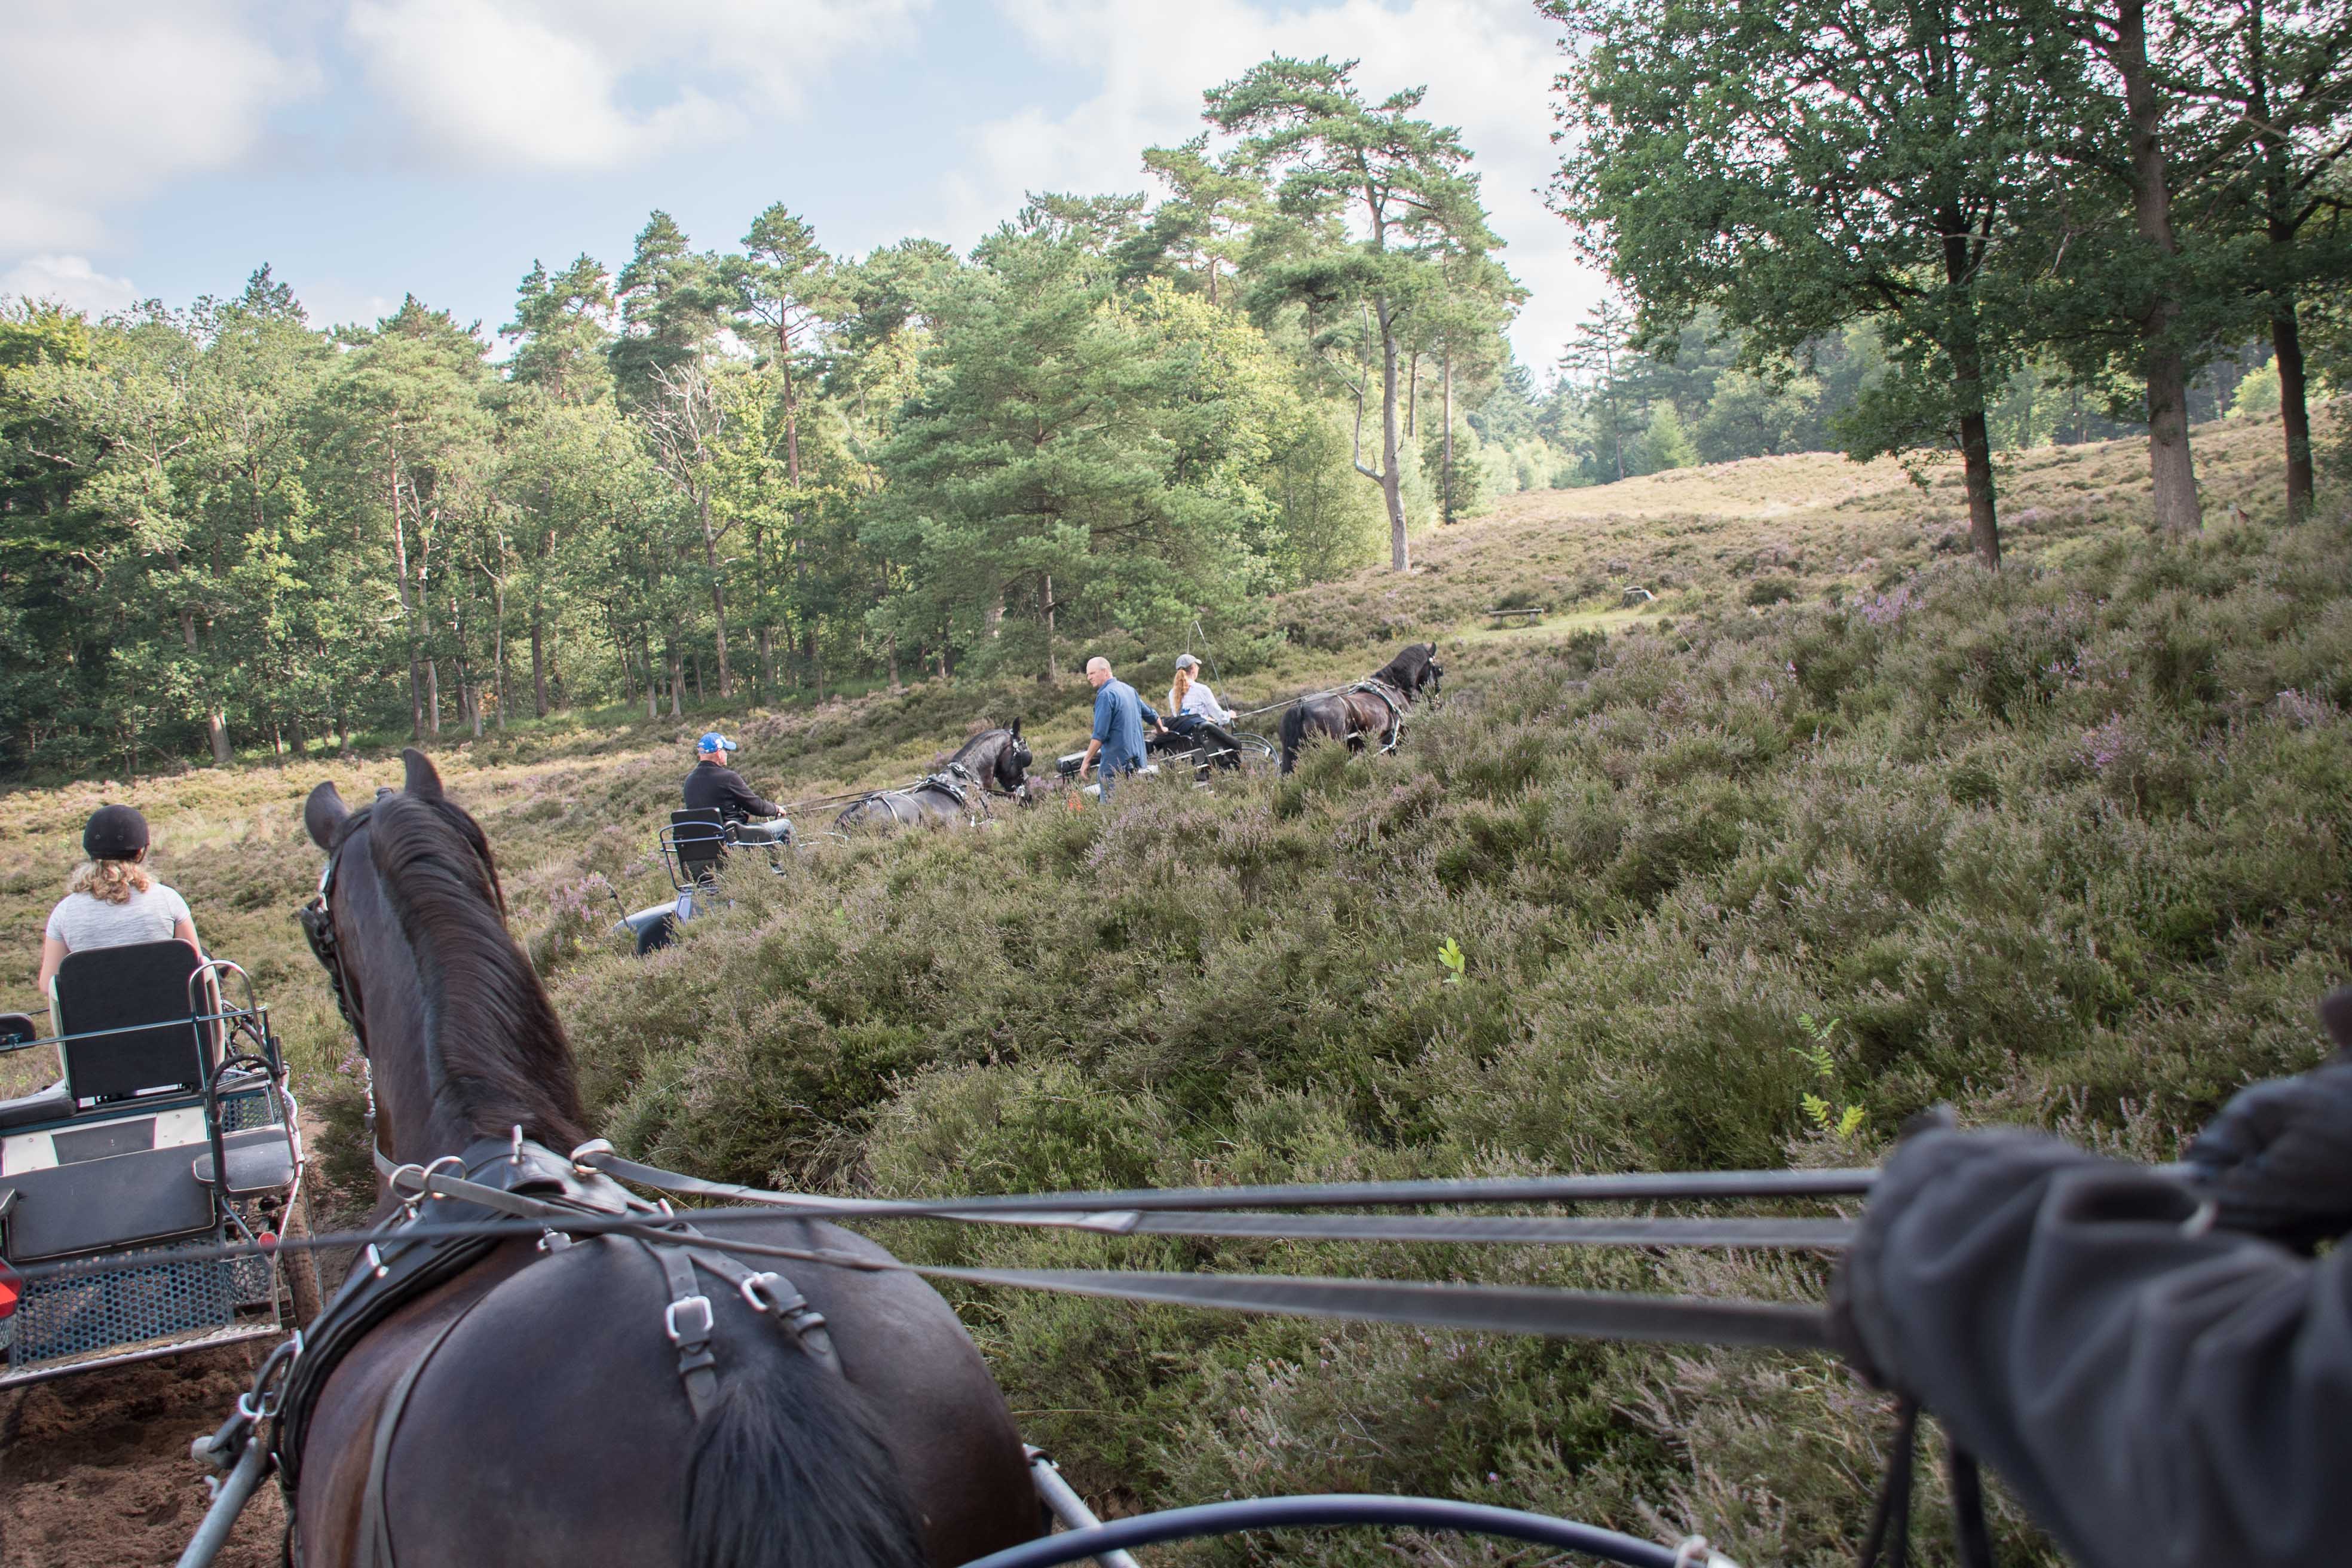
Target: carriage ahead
{"type": "Point", "coordinates": [170, 1133]}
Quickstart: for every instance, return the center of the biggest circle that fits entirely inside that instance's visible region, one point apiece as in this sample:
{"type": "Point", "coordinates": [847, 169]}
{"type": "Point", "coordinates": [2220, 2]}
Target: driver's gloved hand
{"type": "Point", "coordinates": [2277, 1160]}
{"type": "Point", "coordinates": [1854, 1302]}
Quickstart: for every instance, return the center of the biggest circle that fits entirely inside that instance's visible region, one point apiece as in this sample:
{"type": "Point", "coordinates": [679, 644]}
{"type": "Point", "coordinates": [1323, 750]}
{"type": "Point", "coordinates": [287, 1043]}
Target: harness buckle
{"type": "Point", "coordinates": [765, 1293]}
{"type": "Point", "coordinates": [690, 1336]}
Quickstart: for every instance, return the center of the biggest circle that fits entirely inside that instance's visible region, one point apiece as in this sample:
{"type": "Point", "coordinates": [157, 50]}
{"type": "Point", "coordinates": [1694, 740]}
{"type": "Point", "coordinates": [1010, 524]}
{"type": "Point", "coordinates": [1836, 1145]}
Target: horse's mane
{"type": "Point", "coordinates": [964, 753]}
{"type": "Point", "coordinates": [500, 1058]}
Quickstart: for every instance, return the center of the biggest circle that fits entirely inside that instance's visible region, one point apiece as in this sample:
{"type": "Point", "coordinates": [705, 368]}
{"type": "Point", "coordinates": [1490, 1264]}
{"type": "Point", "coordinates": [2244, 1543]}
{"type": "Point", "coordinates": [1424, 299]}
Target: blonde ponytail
{"type": "Point", "coordinates": [109, 881]}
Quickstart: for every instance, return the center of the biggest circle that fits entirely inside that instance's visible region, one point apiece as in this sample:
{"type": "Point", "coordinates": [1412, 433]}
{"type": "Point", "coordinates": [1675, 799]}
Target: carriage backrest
{"type": "Point", "coordinates": [697, 836]}
{"type": "Point", "coordinates": [120, 989]}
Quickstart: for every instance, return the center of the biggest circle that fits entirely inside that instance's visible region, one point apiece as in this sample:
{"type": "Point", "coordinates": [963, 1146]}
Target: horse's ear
{"type": "Point", "coordinates": [420, 780]}
{"type": "Point", "coordinates": [323, 815]}
{"type": "Point", "coordinates": [1016, 728]}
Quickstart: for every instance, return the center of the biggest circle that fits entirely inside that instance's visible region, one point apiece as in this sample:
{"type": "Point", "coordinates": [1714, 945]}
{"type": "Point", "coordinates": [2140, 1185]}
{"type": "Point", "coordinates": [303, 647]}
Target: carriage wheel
{"type": "Point", "coordinates": [1255, 752]}
{"type": "Point", "coordinates": [299, 1269]}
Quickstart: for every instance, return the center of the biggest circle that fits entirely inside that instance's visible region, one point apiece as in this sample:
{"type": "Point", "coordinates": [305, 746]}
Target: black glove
{"type": "Point", "coordinates": [2277, 1160]}
{"type": "Point", "coordinates": [1851, 1277]}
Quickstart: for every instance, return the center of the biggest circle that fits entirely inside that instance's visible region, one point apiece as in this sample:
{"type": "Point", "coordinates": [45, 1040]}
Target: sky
{"type": "Point", "coordinates": [367, 149]}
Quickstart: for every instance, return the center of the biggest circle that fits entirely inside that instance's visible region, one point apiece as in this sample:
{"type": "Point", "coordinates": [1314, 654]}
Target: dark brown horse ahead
{"type": "Point", "coordinates": [550, 1424]}
{"type": "Point", "coordinates": [1375, 707]}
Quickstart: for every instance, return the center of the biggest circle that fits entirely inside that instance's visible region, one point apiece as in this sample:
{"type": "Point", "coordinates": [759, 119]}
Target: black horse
{"type": "Point", "coordinates": [993, 762]}
{"type": "Point", "coordinates": [1375, 706]}
{"type": "Point", "coordinates": [545, 1421]}
{"type": "Point", "coordinates": [951, 797]}
{"type": "Point", "coordinates": [999, 759]}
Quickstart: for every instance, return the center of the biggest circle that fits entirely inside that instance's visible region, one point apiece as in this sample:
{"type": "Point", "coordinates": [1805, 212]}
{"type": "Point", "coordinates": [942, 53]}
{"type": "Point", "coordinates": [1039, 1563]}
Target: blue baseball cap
{"type": "Point", "coordinates": [713, 742]}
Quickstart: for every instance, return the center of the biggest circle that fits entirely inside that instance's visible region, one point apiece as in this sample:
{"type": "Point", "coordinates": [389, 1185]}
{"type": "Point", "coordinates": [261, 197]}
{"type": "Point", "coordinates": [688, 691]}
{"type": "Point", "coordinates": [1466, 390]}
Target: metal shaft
{"type": "Point", "coordinates": [227, 1503]}
{"type": "Point", "coordinates": [1067, 1505]}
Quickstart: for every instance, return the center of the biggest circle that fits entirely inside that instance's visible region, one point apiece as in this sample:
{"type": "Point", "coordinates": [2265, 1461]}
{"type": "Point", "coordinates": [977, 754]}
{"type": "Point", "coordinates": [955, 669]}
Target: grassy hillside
{"type": "Point", "coordinates": [1836, 820]}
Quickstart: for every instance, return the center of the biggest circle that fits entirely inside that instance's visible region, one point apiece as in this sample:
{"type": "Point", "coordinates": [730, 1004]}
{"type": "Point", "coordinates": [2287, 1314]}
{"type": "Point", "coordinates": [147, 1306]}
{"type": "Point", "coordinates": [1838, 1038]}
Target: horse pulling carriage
{"type": "Point", "coordinates": [170, 1135]}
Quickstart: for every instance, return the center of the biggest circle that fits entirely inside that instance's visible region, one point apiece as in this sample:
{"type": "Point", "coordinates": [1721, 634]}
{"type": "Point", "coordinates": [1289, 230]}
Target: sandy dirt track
{"type": "Point", "coordinates": [95, 1473]}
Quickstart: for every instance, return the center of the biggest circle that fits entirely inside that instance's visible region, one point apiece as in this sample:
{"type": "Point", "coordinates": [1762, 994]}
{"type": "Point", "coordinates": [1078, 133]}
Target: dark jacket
{"type": "Point", "coordinates": [716, 786]}
{"type": "Point", "coordinates": [2154, 1397]}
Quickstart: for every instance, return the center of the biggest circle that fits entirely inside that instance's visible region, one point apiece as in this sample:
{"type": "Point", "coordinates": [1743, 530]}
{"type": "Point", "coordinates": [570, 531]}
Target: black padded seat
{"type": "Point", "coordinates": [120, 988]}
{"type": "Point", "coordinates": [53, 1103]}
{"type": "Point", "coordinates": [698, 836]}
{"type": "Point", "coordinates": [260, 1161]}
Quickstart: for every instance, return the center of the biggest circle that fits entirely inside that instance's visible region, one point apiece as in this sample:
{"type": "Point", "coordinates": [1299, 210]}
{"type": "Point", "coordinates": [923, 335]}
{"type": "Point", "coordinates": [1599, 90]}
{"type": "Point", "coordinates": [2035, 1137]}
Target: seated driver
{"type": "Point", "coordinates": [1194, 713]}
{"type": "Point", "coordinates": [715, 787]}
{"type": "Point", "coordinates": [111, 899]}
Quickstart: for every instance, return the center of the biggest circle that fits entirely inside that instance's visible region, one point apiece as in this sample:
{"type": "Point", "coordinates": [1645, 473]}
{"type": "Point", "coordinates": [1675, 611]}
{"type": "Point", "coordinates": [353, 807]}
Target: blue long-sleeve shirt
{"type": "Point", "coordinates": [1119, 725]}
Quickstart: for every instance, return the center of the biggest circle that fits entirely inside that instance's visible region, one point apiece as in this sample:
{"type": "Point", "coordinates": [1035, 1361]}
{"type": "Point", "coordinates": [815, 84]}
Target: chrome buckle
{"type": "Point", "coordinates": [683, 1337]}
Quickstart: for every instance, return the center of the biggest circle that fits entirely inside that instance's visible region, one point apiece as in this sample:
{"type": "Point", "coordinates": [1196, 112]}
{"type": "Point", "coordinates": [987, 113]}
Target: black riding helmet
{"type": "Point", "coordinates": [114, 833]}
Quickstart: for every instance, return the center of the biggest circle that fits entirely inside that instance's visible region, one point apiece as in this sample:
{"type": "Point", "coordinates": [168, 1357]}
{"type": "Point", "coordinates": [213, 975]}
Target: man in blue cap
{"type": "Point", "coordinates": [715, 787]}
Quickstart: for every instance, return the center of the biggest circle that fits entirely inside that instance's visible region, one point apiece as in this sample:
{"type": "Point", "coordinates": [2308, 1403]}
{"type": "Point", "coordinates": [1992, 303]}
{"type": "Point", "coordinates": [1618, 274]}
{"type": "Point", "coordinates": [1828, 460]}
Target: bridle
{"type": "Point", "coordinates": [318, 925]}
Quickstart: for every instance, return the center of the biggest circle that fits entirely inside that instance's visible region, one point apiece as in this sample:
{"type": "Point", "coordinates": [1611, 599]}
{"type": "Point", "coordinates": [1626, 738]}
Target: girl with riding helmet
{"type": "Point", "coordinates": [113, 900]}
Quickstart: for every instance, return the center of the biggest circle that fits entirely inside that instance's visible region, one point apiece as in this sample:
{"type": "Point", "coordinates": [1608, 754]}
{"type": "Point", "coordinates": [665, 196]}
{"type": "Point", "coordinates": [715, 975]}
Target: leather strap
{"type": "Point", "coordinates": [1888, 1544]}
{"type": "Point", "coordinates": [688, 1322]}
{"type": "Point", "coordinates": [375, 1524]}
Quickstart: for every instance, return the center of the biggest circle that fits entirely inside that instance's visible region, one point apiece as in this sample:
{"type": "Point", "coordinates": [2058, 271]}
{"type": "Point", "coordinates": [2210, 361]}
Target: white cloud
{"type": "Point", "coordinates": [1488, 66]}
{"type": "Point", "coordinates": [571, 84]}
{"type": "Point", "coordinates": [69, 281]}
{"type": "Point", "coordinates": [100, 105]}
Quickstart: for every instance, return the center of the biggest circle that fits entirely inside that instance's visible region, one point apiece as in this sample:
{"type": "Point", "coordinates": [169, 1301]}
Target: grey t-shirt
{"type": "Point", "coordinates": [81, 921]}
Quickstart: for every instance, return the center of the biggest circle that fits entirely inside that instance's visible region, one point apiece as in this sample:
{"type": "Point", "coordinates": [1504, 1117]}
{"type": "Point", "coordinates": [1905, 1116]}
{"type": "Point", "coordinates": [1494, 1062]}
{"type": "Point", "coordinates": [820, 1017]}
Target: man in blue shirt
{"type": "Point", "coordinates": [1119, 726]}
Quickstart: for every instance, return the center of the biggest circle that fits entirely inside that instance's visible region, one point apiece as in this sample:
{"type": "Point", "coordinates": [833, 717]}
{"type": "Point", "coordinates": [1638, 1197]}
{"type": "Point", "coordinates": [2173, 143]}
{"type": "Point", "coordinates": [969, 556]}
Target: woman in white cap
{"type": "Point", "coordinates": [1191, 697]}
{"type": "Point", "coordinates": [111, 899]}
{"type": "Point", "coordinates": [1194, 713]}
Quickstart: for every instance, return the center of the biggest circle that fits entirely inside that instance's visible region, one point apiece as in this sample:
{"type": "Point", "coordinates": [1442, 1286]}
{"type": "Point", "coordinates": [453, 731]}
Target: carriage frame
{"type": "Point", "coordinates": [123, 1197]}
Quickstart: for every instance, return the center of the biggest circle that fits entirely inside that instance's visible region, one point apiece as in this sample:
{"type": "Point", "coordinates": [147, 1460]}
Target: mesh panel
{"type": "Point", "coordinates": [148, 1296]}
{"type": "Point", "coordinates": [256, 1109]}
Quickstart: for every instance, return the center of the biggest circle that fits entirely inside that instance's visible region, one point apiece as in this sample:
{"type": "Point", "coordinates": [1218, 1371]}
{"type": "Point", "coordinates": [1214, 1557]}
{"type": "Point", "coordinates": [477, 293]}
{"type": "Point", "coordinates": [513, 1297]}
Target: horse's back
{"type": "Point", "coordinates": [553, 1424]}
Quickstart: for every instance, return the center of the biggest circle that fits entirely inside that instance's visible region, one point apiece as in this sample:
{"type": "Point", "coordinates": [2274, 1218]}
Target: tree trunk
{"type": "Point", "coordinates": [1964, 352]}
{"type": "Point", "coordinates": [699, 698]}
{"type": "Point", "coordinates": [1391, 482]}
{"type": "Point", "coordinates": [1053, 664]}
{"type": "Point", "coordinates": [2295, 406]}
{"type": "Point", "coordinates": [538, 659]}
{"type": "Point", "coordinates": [1412, 395]}
{"type": "Point", "coordinates": [1447, 511]}
{"type": "Point", "coordinates": [676, 683]}
{"type": "Point", "coordinates": [767, 664]}
{"type": "Point", "coordinates": [897, 686]}
{"type": "Point", "coordinates": [433, 686]}
{"type": "Point", "coordinates": [718, 606]}
{"type": "Point", "coordinates": [2171, 470]}
{"type": "Point", "coordinates": [2286, 329]}
{"type": "Point", "coordinates": [216, 731]}
{"type": "Point", "coordinates": [498, 653]}
{"type": "Point", "coordinates": [407, 616]}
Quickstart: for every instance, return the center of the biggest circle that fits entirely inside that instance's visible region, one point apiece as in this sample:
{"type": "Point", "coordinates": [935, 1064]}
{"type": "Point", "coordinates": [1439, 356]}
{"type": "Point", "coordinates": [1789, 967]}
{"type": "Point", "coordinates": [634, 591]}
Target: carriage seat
{"type": "Point", "coordinates": [103, 990]}
{"type": "Point", "coordinates": [262, 1163]}
{"type": "Point", "coordinates": [53, 1103]}
{"type": "Point", "coordinates": [698, 838]}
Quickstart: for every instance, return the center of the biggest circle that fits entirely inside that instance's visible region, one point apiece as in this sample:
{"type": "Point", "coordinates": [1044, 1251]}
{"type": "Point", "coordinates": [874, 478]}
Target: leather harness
{"type": "Point", "coordinates": [509, 1177]}
{"type": "Point", "coordinates": [1393, 701]}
